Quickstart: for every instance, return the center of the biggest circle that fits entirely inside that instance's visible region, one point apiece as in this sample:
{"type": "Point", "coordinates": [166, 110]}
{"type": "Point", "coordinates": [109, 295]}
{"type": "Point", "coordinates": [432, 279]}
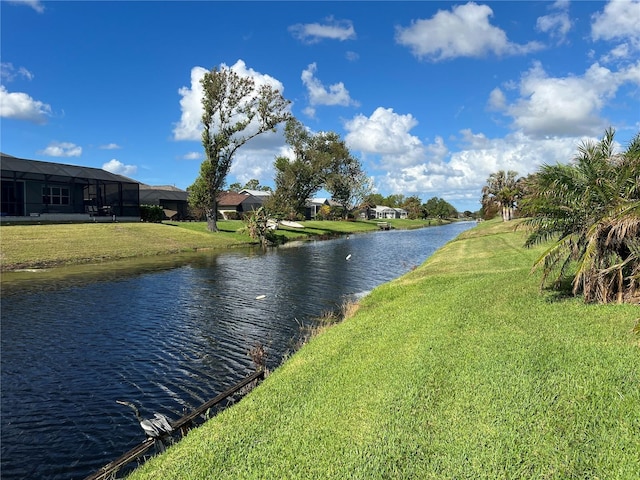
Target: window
{"type": "Point", "coordinates": [55, 196]}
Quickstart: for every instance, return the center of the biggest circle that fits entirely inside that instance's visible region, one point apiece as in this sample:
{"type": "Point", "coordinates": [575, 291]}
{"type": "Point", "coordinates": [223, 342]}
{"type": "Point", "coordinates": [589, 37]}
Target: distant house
{"type": "Point", "coordinates": [313, 206]}
{"type": "Point", "coordinates": [382, 212]}
{"type": "Point", "coordinates": [33, 189]}
{"type": "Point", "coordinates": [173, 200]}
{"type": "Point", "coordinates": [233, 204]}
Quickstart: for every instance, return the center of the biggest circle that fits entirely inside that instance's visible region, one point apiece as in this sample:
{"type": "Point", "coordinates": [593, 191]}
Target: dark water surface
{"type": "Point", "coordinates": [167, 334]}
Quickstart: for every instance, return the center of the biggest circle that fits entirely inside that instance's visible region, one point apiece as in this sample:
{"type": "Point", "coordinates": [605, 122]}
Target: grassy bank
{"type": "Point", "coordinates": [37, 246]}
{"type": "Point", "coordinates": [460, 369]}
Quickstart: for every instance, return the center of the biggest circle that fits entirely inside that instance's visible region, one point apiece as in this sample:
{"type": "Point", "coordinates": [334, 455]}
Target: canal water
{"type": "Point", "coordinates": [167, 334]}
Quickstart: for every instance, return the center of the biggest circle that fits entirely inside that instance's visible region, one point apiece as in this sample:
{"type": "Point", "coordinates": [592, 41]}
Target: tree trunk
{"type": "Point", "coordinates": [212, 218]}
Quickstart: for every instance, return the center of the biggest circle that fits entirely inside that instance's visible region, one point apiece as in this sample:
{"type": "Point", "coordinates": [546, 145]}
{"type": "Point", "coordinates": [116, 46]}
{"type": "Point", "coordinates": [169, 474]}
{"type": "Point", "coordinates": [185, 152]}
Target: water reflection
{"type": "Point", "coordinates": [167, 335]}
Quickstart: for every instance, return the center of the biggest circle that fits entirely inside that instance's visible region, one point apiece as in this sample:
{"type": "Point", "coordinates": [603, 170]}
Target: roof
{"type": "Point", "coordinates": [235, 199]}
{"type": "Point", "coordinates": [382, 208]}
{"type": "Point", "coordinates": [151, 193]}
{"type": "Point", "coordinates": [257, 193]}
{"type": "Point", "coordinates": [35, 169]}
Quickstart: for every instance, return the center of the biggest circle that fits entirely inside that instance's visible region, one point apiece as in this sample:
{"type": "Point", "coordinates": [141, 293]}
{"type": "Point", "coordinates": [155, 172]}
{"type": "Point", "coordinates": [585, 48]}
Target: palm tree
{"type": "Point", "coordinates": [591, 208]}
{"type": "Point", "coordinates": [502, 191]}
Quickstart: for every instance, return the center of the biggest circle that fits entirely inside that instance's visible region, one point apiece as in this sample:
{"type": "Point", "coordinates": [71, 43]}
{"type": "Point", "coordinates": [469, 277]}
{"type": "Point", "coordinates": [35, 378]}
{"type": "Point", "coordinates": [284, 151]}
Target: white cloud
{"type": "Point", "coordinates": [620, 20]}
{"type": "Point", "coordinates": [385, 133]}
{"type": "Point", "coordinates": [331, 29]}
{"type": "Point", "coordinates": [35, 4]}
{"type": "Point", "coordinates": [497, 100]}
{"type": "Point", "coordinates": [337, 94]}
{"type": "Point", "coordinates": [189, 127]}
{"type": "Point", "coordinates": [459, 175]}
{"type": "Point", "coordinates": [8, 73]}
{"type": "Point", "coordinates": [20, 106]}
{"type": "Point", "coordinates": [465, 31]}
{"type": "Point", "coordinates": [119, 168]}
{"type": "Point", "coordinates": [352, 56]}
{"type": "Point", "coordinates": [192, 156]}
{"type": "Point", "coordinates": [256, 158]}
{"type": "Point", "coordinates": [558, 23]}
{"type": "Point", "coordinates": [62, 149]}
{"type": "Point", "coordinates": [456, 171]}
{"type": "Point", "coordinates": [564, 106]}
{"type": "Point", "coordinates": [110, 146]}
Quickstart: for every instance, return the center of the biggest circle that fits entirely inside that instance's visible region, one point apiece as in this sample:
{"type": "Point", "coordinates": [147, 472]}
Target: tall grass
{"type": "Point", "coordinates": [460, 369]}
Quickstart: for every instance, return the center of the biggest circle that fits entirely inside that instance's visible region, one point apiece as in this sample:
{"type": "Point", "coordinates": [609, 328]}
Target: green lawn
{"type": "Point", "coordinates": [460, 369]}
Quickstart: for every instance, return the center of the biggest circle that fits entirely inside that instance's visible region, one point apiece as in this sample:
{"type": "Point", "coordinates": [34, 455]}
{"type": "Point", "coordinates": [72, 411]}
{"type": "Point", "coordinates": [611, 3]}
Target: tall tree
{"type": "Point", "coordinates": [503, 190]}
{"type": "Point", "coordinates": [318, 160]}
{"type": "Point", "coordinates": [347, 182]}
{"type": "Point", "coordinates": [235, 110]}
{"type": "Point", "coordinates": [591, 208]}
{"type": "Point", "coordinates": [413, 206]}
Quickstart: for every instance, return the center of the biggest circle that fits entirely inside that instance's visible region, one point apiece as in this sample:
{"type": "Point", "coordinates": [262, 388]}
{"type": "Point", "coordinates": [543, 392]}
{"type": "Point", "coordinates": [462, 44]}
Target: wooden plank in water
{"type": "Point", "coordinates": [108, 471]}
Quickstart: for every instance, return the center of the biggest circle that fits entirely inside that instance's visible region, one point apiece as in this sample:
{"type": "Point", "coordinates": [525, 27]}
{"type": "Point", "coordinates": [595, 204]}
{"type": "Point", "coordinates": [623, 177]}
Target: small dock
{"type": "Point", "coordinates": [384, 225]}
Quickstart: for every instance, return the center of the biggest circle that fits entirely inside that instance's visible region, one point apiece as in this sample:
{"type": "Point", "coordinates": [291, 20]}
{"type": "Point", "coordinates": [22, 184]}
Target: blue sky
{"type": "Point", "coordinates": [432, 97]}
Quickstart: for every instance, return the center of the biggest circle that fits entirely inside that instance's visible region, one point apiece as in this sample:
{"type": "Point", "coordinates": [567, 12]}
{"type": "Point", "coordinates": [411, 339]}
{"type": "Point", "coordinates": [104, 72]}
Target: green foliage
{"type": "Point", "coordinates": [438, 208]}
{"type": "Point", "coordinates": [590, 209]}
{"type": "Point", "coordinates": [320, 160]}
{"type": "Point", "coordinates": [501, 193]}
{"type": "Point", "coordinates": [258, 227]}
{"type": "Point", "coordinates": [253, 184]}
{"type": "Point", "coordinates": [151, 213]}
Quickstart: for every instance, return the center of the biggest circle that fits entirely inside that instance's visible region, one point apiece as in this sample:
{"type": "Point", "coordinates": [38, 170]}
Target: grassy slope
{"type": "Point", "coordinates": [52, 245]}
{"type": "Point", "coordinates": [460, 369]}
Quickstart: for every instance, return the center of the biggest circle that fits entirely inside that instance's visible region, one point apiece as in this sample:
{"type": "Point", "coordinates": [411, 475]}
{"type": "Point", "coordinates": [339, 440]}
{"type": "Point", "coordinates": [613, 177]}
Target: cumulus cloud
{"type": "Point", "coordinates": [331, 29]}
{"type": "Point", "coordinates": [189, 127]}
{"type": "Point", "coordinates": [62, 149]}
{"type": "Point", "coordinates": [336, 94]}
{"type": "Point", "coordinates": [256, 160]}
{"type": "Point", "coordinates": [563, 106]}
{"type": "Point", "coordinates": [557, 24]}
{"type": "Point", "coordinates": [35, 4]}
{"type": "Point", "coordinates": [20, 106]}
{"type": "Point", "coordinates": [464, 31]}
{"type": "Point", "coordinates": [119, 168]}
{"type": "Point", "coordinates": [458, 174]}
{"type": "Point", "coordinates": [620, 20]}
{"type": "Point", "coordinates": [455, 169]}
{"type": "Point", "coordinates": [110, 146]}
{"type": "Point", "coordinates": [385, 133]}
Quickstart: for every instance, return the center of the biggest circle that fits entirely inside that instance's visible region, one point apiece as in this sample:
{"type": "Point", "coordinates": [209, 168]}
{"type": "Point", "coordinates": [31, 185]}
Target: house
{"type": "Point", "coordinates": [233, 205]}
{"type": "Point", "coordinates": [34, 190]}
{"type": "Point", "coordinates": [382, 212]}
{"type": "Point", "coordinates": [173, 200]}
{"type": "Point", "coordinates": [313, 206]}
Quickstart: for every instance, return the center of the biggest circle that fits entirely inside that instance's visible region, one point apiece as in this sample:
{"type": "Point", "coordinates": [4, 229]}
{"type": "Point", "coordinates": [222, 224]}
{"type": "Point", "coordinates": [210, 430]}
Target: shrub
{"type": "Point", "coordinates": [151, 213]}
